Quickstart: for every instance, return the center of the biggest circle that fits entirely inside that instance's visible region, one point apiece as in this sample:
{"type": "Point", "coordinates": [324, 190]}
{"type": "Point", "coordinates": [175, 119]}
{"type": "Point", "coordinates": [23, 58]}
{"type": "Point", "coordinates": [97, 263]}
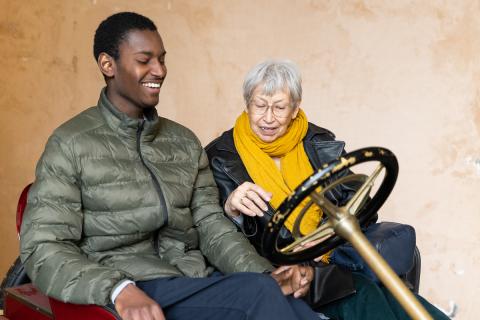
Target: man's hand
{"type": "Point", "coordinates": [133, 304]}
{"type": "Point", "coordinates": [294, 279]}
{"type": "Point", "coordinates": [249, 199]}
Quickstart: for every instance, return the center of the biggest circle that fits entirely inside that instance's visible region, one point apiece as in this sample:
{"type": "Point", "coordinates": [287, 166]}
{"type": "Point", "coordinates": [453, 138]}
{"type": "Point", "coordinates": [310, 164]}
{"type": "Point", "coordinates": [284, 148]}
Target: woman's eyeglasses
{"type": "Point", "coordinates": [262, 108]}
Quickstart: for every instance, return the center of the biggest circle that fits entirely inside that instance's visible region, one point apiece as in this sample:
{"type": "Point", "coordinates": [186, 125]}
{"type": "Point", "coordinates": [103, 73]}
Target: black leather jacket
{"type": "Point", "coordinates": [229, 172]}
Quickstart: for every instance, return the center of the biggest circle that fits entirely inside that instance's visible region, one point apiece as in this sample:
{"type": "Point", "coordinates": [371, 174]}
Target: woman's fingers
{"type": "Point", "coordinates": [294, 279]}
{"type": "Point", "coordinates": [283, 277]}
{"type": "Point", "coordinates": [266, 196]}
{"type": "Point", "coordinates": [301, 292]}
{"type": "Point", "coordinates": [252, 207]}
{"type": "Point", "coordinates": [249, 199]}
{"type": "Point", "coordinates": [248, 210]}
{"type": "Point", "coordinates": [302, 283]}
{"type": "Point", "coordinates": [257, 200]}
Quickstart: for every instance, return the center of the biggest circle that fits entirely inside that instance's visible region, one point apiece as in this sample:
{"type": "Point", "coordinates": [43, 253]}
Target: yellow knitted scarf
{"type": "Point", "coordinates": [295, 167]}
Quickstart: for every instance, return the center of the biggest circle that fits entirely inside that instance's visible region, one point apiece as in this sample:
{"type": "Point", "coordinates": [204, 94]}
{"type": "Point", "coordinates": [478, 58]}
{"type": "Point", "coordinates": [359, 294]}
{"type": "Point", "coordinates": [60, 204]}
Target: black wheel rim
{"type": "Point", "coordinates": [321, 178]}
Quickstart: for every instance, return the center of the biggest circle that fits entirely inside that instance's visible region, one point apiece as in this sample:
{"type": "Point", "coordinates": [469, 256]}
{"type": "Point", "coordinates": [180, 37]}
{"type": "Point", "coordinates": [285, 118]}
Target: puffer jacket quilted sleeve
{"type": "Point", "coordinates": [52, 229]}
{"type": "Point", "coordinates": [224, 247]}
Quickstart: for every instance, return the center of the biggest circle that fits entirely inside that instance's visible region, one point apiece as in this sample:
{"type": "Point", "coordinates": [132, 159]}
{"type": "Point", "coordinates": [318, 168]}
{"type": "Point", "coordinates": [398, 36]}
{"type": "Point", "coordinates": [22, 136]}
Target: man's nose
{"type": "Point", "coordinates": [159, 69]}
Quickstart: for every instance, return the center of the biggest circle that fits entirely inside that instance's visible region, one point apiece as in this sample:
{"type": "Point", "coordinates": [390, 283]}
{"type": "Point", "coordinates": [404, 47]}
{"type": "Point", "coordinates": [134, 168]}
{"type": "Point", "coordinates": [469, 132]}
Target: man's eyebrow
{"type": "Point", "coordinates": [150, 53]}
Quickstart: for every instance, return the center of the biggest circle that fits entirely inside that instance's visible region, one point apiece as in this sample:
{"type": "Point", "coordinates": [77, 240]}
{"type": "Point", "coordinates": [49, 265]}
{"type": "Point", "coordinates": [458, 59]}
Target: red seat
{"type": "Point", "coordinates": [27, 302]}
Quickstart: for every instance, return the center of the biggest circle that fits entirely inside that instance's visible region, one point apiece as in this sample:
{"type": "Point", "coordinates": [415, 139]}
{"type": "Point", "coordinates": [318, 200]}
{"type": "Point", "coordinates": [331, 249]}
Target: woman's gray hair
{"type": "Point", "coordinates": [274, 75]}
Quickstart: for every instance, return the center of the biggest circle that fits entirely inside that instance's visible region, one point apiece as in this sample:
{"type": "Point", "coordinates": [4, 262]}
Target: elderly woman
{"type": "Point", "coordinates": [271, 150]}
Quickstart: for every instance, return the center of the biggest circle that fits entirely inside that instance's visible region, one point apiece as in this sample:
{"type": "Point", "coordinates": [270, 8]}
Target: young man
{"type": "Point", "coordinates": [124, 208]}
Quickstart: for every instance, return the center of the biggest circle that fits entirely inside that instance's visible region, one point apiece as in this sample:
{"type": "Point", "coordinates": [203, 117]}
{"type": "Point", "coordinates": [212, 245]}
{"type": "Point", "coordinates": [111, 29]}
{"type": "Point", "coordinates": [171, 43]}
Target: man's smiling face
{"type": "Point", "coordinates": [138, 73]}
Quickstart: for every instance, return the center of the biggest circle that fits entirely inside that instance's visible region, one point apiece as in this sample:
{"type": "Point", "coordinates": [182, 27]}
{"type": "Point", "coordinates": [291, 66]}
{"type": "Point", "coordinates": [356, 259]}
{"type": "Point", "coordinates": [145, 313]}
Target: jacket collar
{"type": "Point", "coordinates": [321, 147]}
{"type": "Point", "coordinates": [226, 142]}
{"type": "Point", "coordinates": [126, 126]}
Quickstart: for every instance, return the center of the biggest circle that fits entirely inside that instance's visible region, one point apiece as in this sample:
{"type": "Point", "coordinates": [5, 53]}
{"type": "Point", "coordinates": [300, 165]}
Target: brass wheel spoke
{"type": "Point", "coordinates": [348, 178]}
{"type": "Point", "coordinates": [326, 205]}
{"type": "Point", "coordinates": [363, 192]}
{"type": "Point", "coordinates": [321, 233]}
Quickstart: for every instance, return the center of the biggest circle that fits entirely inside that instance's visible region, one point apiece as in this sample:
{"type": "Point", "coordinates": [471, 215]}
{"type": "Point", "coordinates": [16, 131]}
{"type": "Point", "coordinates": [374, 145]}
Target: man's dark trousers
{"type": "Point", "coordinates": [235, 296]}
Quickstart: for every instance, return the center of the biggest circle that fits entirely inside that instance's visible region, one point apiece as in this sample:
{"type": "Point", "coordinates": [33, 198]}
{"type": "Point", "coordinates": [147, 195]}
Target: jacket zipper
{"type": "Point", "coordinates": [163, 204]}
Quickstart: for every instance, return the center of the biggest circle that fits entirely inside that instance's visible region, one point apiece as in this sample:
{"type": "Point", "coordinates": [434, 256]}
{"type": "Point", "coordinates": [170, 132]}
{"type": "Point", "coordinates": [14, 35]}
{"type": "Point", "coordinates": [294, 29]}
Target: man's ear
{"type": "Point", "coordinates": [106, 63]}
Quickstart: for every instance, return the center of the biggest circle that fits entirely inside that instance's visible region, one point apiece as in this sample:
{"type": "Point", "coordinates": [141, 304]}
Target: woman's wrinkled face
{"type": "Point", "coordinates": [270, 116]}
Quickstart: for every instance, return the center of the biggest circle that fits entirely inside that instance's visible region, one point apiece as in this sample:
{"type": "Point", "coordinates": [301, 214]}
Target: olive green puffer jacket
{"type": "Point", "coordinates": [119, 198]}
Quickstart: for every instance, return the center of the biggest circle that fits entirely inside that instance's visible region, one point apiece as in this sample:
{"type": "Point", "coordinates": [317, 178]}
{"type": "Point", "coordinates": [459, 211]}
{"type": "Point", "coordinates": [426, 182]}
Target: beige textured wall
{"type": "Point", "coordinates": [399, 74]}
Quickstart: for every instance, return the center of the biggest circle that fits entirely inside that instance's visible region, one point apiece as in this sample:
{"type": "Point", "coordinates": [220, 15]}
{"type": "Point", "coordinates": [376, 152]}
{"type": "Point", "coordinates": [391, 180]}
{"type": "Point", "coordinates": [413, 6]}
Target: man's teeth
{"type": "Point", "coordinates": [151, 85]}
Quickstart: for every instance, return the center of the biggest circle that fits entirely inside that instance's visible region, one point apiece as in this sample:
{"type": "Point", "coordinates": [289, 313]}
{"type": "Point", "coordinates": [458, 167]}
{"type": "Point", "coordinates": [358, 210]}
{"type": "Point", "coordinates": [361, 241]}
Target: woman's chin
{"type": "Point", "coordinates": [268, 137]}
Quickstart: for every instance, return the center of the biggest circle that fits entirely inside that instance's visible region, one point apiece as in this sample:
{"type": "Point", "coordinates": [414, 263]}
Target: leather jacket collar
{"type": "Point", "coordinates": [319, 143]}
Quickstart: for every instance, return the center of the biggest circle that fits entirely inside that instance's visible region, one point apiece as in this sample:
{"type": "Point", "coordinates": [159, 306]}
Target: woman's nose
{"type": "Point", "coordinates": [269, 116]}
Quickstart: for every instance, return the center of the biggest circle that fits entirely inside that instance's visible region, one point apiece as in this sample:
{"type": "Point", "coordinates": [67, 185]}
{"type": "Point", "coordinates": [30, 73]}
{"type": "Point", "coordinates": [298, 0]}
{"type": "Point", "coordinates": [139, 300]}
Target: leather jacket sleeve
{"type": "Point", "coordinates": [229, 172]}
{"type": "Point", "coordinates": [227, 183]}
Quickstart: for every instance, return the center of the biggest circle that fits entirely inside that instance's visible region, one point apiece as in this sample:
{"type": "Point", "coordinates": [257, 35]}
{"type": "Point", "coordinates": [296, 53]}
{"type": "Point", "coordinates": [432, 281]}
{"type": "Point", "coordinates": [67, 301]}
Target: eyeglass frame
{"type": "Point", "coordinates": [272, 107]}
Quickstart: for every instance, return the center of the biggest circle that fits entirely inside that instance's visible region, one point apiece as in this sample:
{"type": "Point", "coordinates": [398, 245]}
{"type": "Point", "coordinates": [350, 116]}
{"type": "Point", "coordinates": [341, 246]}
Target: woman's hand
{"type": "Point", "coordinates": [249, 199]}
{"type": "Point", "coordinates": [294, 279]}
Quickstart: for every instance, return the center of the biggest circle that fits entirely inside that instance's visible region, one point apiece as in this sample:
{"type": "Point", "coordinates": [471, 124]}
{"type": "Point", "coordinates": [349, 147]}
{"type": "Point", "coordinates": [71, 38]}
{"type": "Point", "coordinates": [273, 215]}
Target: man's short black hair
{"type": "Point", "coordinates": [113, 30]}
